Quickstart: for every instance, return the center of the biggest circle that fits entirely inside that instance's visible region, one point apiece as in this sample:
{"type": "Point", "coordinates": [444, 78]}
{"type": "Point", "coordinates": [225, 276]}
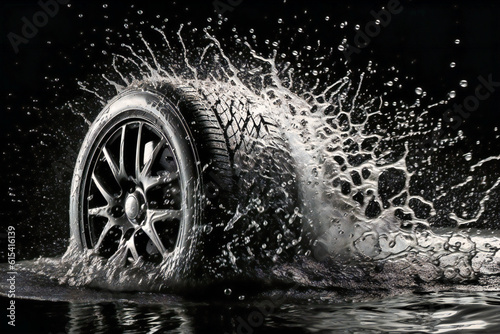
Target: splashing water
{"type": "Point", "coordinates": [371, 204]}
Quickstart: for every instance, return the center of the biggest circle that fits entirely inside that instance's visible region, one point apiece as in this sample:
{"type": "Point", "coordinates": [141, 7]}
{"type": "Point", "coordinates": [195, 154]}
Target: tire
{"type": "Point", "coordinates": [178, 176]}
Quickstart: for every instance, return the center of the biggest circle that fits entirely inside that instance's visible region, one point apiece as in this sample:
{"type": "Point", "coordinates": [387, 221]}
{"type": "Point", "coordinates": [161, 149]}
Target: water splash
{"type": "Point", "coordinates": [365, 192]}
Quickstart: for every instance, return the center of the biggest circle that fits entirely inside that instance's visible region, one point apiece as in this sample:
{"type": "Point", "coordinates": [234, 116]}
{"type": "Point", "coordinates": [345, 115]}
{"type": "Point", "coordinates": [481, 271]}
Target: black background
{"type": "Point", "coordinates": [37, 81]}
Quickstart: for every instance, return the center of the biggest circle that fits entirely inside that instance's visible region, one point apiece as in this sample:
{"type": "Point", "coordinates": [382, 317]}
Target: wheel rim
{"type": "Point", "coordinates": [134, 199]}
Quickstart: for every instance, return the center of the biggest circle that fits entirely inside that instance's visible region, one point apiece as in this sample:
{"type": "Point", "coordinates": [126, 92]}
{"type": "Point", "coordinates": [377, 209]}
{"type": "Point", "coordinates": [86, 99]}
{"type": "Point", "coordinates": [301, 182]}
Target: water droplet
{"type": "Point", "coordinates": [390, 83]}
{"type": "Point", "coordinates": [418, 91]}
{"type": "Point", "coordinates": [80, 15]}
{"type": "Point", "coordinates": [452, 94]}
{"type": "Point", "coordinates": [341, 48]}
{"type": "Point", "coordinates": [463, 83]}
{"type": "Point", "coordinates": [140, 12]}
{"type": "Point", "coordinates": [280, 20]}
{"type": "Point", "coordinates": [357, 27]}
{"type": "Point", "coordinates": [228, 292]}
{"type": "Point", "coordinates": [207, 229]}
{"type": "Point", "coordinates": [453, 64]}
{"type": "Point", "coordinates": [457, 41]}
{"type": "Point", "coordinates": [242, 297]}
{"type": "Point", "coordinates": [105, 5]}
{"type": "Point", "coordinates": [327, 18]}
{"type": "Point", "coordinates": [468, 156]}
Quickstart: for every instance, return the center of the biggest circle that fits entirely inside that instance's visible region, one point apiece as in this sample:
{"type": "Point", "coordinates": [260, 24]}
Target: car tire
{"type": "Point", "coordinates": [190, 178]}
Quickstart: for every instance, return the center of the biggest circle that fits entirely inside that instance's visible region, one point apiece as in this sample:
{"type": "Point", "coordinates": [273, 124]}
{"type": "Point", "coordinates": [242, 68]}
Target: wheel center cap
{"type": "Point", "coordinates": [132, 207]}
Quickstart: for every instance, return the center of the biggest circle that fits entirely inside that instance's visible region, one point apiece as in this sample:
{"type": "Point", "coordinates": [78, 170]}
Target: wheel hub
{"type": "Point", "coordinates": [134, 205]}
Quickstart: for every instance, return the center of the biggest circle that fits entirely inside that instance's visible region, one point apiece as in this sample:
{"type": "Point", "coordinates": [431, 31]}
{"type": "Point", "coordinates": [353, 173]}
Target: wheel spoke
{"type": "Point", "coordinates": [149, 163]}
{"type": "Point", "coordinates": [131, 247]}
{"type": "Point", "coordinates": [120, 257]}
{"type": "Point", "coordinates": [112, 165]}
{"type": "Point", "coordinates": [124, 223]}
{"type": "Point", "coordinates": [155, 215]}
{"type": "Point", "coordinates": [138, 152]}
{"type": "Point", "coordinates": [157, 181]}
{"type": "Point", "coordinates": [104, 232]}
{"type": "Point", "coordinates": [120, 222]}
{"type": "Point", "coordinates": [107, 196]}
{"type": "Point", "coordinates": [100, 211]}
{"type": "Point", "coordinates": [122, 151]}
{"type": "Point", "coordinates": [151, 233]}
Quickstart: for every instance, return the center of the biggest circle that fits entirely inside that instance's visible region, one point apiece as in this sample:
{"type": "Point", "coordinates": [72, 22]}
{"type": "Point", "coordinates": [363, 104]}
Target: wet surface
{"type": "Point", "coordinates": [433, 313]}
{"type": "Point", "coordinates": [45, 307]}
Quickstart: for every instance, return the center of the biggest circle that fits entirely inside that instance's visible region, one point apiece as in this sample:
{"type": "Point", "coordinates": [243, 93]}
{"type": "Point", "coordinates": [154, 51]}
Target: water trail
{"type": "Point", "coordinates": [195, 72]}
{"type": "Point", "coordinates": [81, 114]}
{"type": "Point", "coordinates": [84, 88]}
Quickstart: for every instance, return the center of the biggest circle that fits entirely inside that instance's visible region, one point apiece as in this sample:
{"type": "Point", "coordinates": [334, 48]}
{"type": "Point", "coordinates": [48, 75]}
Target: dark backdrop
{"type": "Point", "coordinates": [36, 82]}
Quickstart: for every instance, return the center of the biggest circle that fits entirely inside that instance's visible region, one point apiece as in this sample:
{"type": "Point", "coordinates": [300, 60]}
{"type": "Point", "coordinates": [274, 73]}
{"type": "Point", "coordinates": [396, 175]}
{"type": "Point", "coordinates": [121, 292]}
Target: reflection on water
{"type": "Point", "coordinates": [431, 313]}
{"type": "Point", "coordinates": [105, 317]}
